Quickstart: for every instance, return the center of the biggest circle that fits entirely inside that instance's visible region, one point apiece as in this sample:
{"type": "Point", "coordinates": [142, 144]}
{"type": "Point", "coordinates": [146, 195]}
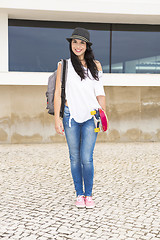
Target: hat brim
{"type": "Point", "coordinates": [78, 37]}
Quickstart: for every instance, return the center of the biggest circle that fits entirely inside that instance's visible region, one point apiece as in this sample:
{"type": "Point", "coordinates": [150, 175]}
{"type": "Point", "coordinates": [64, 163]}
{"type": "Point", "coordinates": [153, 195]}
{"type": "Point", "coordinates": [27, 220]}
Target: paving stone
{"type": "Point", "coordinates": [36, 184]}
{"type": "Point", "coordinates": [63, 230]}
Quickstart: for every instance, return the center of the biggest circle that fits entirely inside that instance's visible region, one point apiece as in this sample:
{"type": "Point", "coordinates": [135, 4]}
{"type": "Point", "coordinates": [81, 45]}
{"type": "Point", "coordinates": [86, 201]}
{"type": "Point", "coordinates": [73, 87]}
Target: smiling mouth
{"type": "Point", "coordinates": [77, 50]}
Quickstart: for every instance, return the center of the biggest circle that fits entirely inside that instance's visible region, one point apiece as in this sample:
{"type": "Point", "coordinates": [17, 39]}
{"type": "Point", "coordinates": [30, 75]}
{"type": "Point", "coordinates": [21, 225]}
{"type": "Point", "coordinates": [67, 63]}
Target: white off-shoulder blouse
{"type": "Point", "coordinates": [81, 94]}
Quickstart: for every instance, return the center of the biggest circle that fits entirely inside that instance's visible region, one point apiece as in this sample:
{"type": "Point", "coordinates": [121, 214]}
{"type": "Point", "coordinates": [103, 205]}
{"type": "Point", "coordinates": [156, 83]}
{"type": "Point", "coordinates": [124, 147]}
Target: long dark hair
{"type": "Point", "coordinates": [89, 58]}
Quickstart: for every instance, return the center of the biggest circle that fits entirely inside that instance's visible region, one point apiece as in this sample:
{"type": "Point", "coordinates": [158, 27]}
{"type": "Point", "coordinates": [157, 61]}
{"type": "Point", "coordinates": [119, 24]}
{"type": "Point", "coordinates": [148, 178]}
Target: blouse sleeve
{"type": "Point", "coordinates": [99, 90]}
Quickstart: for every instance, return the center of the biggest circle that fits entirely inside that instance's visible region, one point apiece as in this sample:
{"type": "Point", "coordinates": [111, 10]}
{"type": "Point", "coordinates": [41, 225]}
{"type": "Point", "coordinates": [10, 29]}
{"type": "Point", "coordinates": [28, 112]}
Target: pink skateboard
{"type": "Point", "coordinates": [100, 120]}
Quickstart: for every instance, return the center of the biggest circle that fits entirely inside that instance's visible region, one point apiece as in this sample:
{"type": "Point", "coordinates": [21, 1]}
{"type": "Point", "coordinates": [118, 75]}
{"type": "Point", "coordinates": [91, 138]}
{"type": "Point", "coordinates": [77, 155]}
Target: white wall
{"type": "Point", "coordinates": [115, 11]}
{"type": "Point", "coordinates": [3, 42]}
{"type": "Point", "coordinates": [29, 78]}
{"type": "Point", "coordinates": [103, 6]}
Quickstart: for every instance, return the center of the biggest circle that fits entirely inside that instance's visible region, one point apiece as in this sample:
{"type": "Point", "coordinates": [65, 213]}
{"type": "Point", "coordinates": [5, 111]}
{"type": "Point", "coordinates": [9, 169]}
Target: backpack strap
{"type": "Point", "coordinates": [63, 87]}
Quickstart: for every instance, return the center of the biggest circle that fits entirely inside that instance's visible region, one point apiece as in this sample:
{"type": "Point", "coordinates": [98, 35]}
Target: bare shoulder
{"type": "Point", "coordinates": [59, 66]}
{"type": "Point", "coordinates": [58, 77]}
{"type": "Point", "coordinates": [98, 64]}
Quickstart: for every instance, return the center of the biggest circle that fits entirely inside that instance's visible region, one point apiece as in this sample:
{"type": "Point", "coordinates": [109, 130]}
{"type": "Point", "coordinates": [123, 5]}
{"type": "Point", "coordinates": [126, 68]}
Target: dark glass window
{"type": "Point", "coordinates": [33, 49]}
{"type": "Point", "coordinates": [101, 47]}
{"type": "Point", "coordinates": [36, 46]}
{"type": "Point", "coordinates": [136, 50]}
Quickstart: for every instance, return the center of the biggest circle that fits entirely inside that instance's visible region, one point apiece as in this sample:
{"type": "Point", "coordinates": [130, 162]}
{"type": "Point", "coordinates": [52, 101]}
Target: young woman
{"type": "Point", "coordinates": [84, 93]}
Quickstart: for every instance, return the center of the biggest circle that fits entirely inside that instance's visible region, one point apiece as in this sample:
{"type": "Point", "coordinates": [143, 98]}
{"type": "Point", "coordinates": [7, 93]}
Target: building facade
{"type": "Point", "coordinates": [125, 38]}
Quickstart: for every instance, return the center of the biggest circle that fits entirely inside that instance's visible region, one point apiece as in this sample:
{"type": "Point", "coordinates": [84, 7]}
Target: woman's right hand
{"type": "Point", "coordinates": [59, 126]}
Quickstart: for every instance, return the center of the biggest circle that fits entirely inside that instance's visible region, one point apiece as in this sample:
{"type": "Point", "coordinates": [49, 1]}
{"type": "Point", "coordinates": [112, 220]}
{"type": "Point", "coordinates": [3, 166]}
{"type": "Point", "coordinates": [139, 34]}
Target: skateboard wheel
{"type": "Point", "coordinates": [93, 112]}
{"type": "Point", "coordinates": [97, 129]}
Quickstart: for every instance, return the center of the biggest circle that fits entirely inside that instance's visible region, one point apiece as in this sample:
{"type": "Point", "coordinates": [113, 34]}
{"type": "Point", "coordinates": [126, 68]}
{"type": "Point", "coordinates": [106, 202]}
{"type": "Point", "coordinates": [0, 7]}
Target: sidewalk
{"type": "Point", "coordinates": [37, 194]}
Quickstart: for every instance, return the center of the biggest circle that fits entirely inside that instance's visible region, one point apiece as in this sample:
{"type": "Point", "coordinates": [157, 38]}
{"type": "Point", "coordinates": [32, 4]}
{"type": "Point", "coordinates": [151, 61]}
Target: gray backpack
{"type": "Point", "coordinates": [51, 89]}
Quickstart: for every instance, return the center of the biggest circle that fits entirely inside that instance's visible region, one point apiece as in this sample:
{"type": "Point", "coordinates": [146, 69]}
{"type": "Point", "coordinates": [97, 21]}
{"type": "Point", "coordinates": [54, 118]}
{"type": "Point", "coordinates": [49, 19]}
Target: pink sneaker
{"type": "Point", "coordinates": [89, 202]}
{"type": "Point", "coordinates": [80, 201]}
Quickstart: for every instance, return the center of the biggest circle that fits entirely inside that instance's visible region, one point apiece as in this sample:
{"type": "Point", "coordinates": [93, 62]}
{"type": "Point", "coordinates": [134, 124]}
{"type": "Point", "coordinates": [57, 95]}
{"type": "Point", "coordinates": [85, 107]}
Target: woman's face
{"type": "Point", "coordinates": [78, 47]}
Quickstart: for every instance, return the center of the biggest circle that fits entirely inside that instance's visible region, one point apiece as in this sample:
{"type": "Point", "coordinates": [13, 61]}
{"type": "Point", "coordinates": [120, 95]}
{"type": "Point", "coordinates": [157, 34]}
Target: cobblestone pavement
{"type": "Point", "coordinates": [37, 195]}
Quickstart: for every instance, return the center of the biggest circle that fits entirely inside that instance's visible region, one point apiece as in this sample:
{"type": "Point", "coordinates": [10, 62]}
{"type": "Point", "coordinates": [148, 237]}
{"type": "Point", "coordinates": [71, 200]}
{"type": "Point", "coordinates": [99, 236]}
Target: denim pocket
{"type": "Point", "coordinates": [66, 111]}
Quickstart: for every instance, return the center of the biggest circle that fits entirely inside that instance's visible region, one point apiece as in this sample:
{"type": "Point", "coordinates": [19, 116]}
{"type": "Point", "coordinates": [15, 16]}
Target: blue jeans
{"type": "Point", "coordinates": [81, 140]}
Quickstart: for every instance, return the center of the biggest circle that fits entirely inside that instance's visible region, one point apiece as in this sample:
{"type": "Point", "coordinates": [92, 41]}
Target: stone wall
{"type": "Point", "coordinates": [133, 112]}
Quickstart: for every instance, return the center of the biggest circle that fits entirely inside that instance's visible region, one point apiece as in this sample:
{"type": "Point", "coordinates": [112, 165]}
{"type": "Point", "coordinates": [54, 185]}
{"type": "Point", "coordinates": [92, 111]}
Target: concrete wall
{"type": "Point", "coordinates": [133, 115]}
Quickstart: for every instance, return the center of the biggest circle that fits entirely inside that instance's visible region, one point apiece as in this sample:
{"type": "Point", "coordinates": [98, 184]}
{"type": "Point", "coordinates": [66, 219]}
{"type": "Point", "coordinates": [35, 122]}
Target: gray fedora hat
{"type": "Point", "coordinates": [82, 34]}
